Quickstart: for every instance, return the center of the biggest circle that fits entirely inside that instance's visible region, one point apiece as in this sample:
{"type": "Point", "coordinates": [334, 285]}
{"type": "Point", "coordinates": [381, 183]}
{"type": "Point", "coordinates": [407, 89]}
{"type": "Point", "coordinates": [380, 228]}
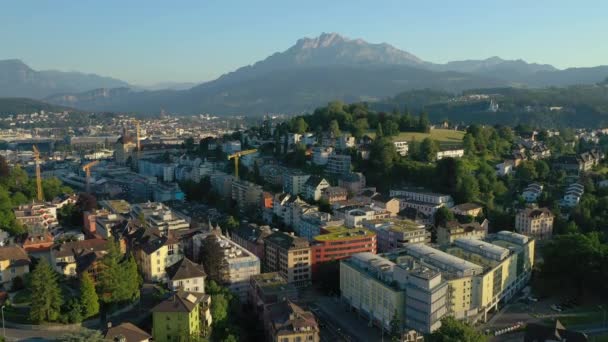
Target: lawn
{"type": "Point", "coordinates": [446, 137]}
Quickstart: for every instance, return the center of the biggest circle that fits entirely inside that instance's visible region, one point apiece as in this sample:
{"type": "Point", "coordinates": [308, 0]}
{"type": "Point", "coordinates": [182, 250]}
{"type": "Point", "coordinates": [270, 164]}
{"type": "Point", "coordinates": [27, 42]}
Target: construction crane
{"type": "Point", "coordinates": [236, 157]}
{"type": "Point", "coordinates": [87, 170]}
{"type": "Point", "coordinates": [40, 194]}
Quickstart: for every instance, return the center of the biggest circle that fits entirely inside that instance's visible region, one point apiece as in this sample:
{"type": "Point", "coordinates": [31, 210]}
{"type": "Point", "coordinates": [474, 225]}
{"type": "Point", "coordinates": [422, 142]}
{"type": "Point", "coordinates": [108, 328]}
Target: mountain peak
{"type": "Point", "coordinates": [322, 41]}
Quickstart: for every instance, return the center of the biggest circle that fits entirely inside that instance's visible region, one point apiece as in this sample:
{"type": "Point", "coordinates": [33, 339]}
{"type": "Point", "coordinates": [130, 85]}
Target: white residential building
{"type": "Point", "coordinates": [455, 153]}
{"type": "Point", "coordinates": [402, 147]}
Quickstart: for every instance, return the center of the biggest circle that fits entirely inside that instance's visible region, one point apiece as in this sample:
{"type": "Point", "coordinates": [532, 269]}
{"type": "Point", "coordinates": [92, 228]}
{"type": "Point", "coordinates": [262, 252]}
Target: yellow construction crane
{"type": "Point", "coordinates": [236, 157]}
{"type": "Point", "coordinates": [38, 175]}
{"type": "Point", "coordinates": [87, 170]}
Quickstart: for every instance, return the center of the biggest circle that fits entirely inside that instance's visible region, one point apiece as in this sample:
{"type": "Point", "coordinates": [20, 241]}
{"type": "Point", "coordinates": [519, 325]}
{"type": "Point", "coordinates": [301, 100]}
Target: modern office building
{"type": "Point", "coordinates": [422, 284]}
{"type": "Point", "coordinates": [336, 243]}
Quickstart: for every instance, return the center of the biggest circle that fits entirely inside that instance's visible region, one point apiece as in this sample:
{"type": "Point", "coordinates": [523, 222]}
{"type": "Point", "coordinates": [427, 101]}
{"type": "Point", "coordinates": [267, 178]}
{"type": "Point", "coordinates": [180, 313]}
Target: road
{"type": "Point", "coordinates": [32, 335]}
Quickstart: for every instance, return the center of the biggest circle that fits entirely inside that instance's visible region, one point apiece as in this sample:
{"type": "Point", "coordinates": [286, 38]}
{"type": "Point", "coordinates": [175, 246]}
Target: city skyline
{"type": "Point", "coordinates": [199, 42]}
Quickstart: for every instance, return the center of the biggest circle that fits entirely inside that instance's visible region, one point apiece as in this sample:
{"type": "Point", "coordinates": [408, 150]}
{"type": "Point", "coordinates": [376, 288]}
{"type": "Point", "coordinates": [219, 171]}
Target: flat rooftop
{"type": "Point", "coordinates": [344, 233]}
{"type": "Point", "coordinates": [396, 225]}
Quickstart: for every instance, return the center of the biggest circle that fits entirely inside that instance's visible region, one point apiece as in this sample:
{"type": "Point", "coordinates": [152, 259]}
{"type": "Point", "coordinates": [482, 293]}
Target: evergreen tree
{"type": "Point", "coordinates": [88, 297]}
{"type": "Point", "coordinates": [212, 257]}
{"type": "Point", "coordinates": [119, 280]}
{"type": "Point", "coordinates": [46, 298]}
{"type": "Point", "coordinates": [395, 325]}
{"type": "Point", "coordinates": [379, 132]}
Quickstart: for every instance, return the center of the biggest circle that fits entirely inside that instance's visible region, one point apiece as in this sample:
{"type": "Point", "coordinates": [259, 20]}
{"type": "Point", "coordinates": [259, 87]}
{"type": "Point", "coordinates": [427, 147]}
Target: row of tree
{"type": "Point", "coordinates": [51, 300]}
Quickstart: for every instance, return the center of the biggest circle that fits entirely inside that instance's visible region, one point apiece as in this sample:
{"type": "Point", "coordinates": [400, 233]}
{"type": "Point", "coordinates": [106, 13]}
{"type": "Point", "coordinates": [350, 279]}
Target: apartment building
{"type": "Point", "coordinates": [453, 153]}
{"type": "Point", "coordinates": [290, 256]}
{"type": "Point", "coordinates": [74, 257]}
{"type": "Point", "coordinates": [14, 262]}
{"type": "Point", "coordinates": [246, 193]}
{"type": "Point", "coordinates": [241, 265]}
{"type": "Point", "coordinates": [421, 201]}
{"type": "Point", "coordinates": [184, 313]}
{"type": "Point", "coordinates": [453, 230]}
{"type": "Point", "coordinates": [320, 155]}
{"type": "Point", "coordinates": [394, 233]}
{"type": "Point", "coordinates": [186, 275]}
{"type": "Point", "coordinates": [37, 215]}
{"type": "Point", "coordinates": [422, 284]}
{"type": "Point", "coordinates": [338, 164]}
{"type": "Point", "coordinates": [532, 192]}
{"type": "Point", "coordinates": [293, 182]}
{"type": "Point", "coordinates": [287, 322]}
{"type": "Point", "coordinates": [311, 224]}
{"type": "Point", "coordinates": [334, 194]}
{"type": "Point", "coordinates": [154, 251]}
{"type": "Point", "coordinates": [251, 237]}
{"type": "Point", "coordinates": [355, 215]}
{"type": "Point", "coordinates": [314, 187]}
{"type": "Point", "coordinates": [353, 182]}
{"type": "Point", "coordinates": [467, 209]}
{"type": "Point", "coordinates": [402, 147]}
{"type": "Point", "coordinates": [269, 288]}
{"type": "Point", "coordinates": [158, 216]}
{"type": "Point", "coordinates": [535, 222]}
{"type": "Point", "coordinates": [336, 243]}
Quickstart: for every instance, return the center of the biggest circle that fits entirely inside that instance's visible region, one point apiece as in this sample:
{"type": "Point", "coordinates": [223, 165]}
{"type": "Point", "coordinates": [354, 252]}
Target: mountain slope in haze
{"type": "Point", "coordinates": [19, 80]}
{"type": "Point", "coordinates": [329, 67]}
{"type": "Point", "coordinates": [18, 105]}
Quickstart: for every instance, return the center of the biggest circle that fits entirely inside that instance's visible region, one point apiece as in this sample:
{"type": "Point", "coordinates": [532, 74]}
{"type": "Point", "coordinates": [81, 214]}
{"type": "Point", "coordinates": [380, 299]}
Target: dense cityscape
{"type": "Point", "coordinates": [231, 172]}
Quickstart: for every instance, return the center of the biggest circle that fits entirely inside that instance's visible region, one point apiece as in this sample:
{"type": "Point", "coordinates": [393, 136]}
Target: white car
{"type": "Point", "coordinates": [533, 299]}
{"type": "Point", "coordinates": [556, 308]}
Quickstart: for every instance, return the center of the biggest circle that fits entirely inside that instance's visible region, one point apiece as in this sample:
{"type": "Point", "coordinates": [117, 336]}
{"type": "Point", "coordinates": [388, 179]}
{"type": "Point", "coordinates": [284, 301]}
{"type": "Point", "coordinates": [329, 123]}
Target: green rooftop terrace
{"type": "Point", "coordinates": [343, 233]}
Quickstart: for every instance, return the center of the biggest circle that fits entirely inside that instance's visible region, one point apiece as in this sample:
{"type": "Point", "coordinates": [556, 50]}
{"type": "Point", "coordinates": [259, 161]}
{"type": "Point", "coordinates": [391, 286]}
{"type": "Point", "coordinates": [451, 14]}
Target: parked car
{"type": "Point", "coordinates": [532, 299]}
{"type": "Point", "coordinates": [556, 308]}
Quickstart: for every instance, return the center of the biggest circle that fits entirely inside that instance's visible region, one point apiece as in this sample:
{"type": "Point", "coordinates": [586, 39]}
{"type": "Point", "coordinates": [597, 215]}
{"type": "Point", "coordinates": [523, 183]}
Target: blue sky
{"type": "Point", "coordinates": [150, 41]}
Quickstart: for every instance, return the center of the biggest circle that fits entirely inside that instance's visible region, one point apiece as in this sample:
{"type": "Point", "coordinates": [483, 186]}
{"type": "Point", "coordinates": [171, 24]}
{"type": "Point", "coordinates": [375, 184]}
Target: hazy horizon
{"type": "Point", "coordinates": [173, 42]}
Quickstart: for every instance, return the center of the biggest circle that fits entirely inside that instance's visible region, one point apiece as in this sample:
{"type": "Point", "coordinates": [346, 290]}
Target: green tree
{"type": "Point", "coordinates": [428, 150]}
{"type": "Point", "coordinates": [442, 216]}
{"type": "Point", "coordinates": [452, 330]}
{"type": "Point", "coordinates": [89, 301]}
{"type": "Point", "coordinates": [468, 189]}
{"type": "Point", "coordinates": [299, 125]}
{"type": "Point", "coordinates": [379, 131]}
{"type": "Point", "coordinates": [212, 256]}
{"type": "Point", "coordinates": [119, 280]}
{"type": "Point", "coordinates": [360, 127]}
{"type": "Point", "coordinates": [334, 128]}
{"type": "Point", "coordinates": [46, 301]}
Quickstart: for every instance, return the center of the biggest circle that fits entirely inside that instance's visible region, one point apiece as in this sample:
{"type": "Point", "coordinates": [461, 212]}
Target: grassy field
{"type": "Point", "coordinates": [446, 137]}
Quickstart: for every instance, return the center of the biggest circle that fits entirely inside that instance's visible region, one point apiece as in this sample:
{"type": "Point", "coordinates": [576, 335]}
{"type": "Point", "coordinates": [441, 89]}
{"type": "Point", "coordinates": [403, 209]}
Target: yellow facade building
{"type": "Point", "coordinates": [422, 284]}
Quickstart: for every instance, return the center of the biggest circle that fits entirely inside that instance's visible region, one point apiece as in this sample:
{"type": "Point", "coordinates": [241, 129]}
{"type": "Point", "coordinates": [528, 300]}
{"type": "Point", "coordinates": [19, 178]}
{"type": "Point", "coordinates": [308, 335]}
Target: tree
{"type": "Point", "coordinates": [467, 189]}
{"type": "Point", "coordinates": [119, 280]}
{"type": "Point", "coordinates": [89, 301]}
{"type": "Point", "coordinates": [360, 127]}
{"type": "Point", "coordinates": [5, 170]}
{"type": "Point", "coordinates": [212, 257]}
{"type": "Point", "coordinates": [219, 308]}
{"type": "Point", "coordinates": [230, 223]}
{"type": "Point", "coordinates": [299, 126]}
{"type": "Point", "coordinates": [428, 150]}
{"type": "Point", "coordinates": [452, 330]}
{"type": "Point", "coordinates": [379, 131]}
{"type": "Point", "coordinates": [442, 216]}
{"type": "Point", "coordinates": [47, 299]}
{"type": "Point", "coordinates": [334, 128]}
{"type": "Point", "coordinates": [391, 128]}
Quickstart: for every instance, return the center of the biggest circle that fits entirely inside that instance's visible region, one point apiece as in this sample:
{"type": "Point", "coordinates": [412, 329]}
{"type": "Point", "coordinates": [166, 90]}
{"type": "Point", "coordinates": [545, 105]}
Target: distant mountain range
{"type": "Point", "coordinates": [308, 74]}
